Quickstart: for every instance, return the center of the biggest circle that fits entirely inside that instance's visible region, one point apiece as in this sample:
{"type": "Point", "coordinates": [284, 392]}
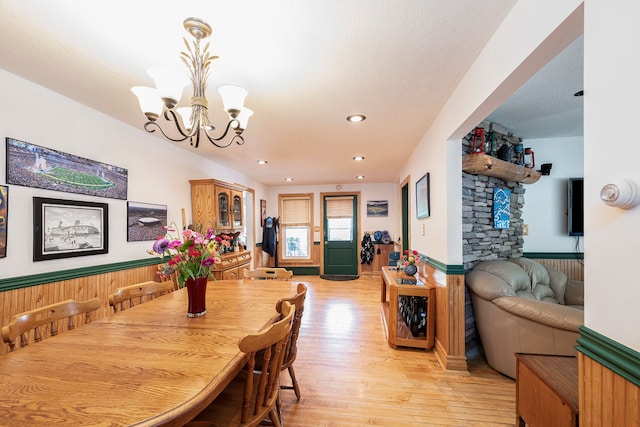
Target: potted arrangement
{"type": "Point", "coordinates": [192, 258]}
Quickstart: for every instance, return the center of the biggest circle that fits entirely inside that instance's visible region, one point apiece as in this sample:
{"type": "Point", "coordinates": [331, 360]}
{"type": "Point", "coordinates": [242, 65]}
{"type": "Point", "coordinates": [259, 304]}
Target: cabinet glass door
{"type": "Point", "coordinates": [237, 209]}
{"type": "Point", "coordinates": [223, 209]}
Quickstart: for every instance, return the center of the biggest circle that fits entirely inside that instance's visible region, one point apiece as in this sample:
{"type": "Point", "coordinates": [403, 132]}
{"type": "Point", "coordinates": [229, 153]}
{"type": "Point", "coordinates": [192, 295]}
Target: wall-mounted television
{"type": "Point", "coordinates": [575, 207]}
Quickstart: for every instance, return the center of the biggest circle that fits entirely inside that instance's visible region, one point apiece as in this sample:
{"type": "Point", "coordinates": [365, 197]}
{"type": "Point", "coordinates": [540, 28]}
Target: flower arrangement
{"type": "Point", "coordinates": [410, 257]}
{"type": "Point", "coordinates": [195, 255]}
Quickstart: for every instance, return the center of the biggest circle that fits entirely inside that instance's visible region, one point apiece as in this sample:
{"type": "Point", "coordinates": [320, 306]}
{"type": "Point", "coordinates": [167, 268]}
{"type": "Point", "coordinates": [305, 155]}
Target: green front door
{"type": "Point", "coordinates": [340, 227]}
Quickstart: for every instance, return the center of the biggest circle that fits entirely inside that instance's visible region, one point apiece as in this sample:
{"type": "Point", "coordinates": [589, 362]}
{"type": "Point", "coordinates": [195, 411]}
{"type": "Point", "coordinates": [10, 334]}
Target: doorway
{"type": "Point", "coordinates": [340, 225]}
{"type": "Point", "coordinates": [404, 206]}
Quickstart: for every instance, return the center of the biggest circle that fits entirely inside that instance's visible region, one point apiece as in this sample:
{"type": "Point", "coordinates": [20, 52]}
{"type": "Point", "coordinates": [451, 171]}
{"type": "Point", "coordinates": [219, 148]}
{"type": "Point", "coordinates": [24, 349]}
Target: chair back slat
{"type": "Point", "coordinates": [132, 295]}
{"type": "Point", "coordinates": [20, 325]}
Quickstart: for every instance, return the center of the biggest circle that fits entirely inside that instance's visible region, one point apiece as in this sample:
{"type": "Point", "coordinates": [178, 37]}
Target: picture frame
{"type": "Point", "coordinates": [263, 211]}
{"type": "Point", "coordinates": [378, 208]}
{"type": "Point", "coordinates": [501, 208]}
{"type": "Point", "coordinates": [145, 221]}
{"type": "Point", "coordinates": [423, 208]}
{"type": "Point", "coordinates": [69, 228]}
{"type": "Point", "coordinates": [31, 165]}
{"type": "Point", "coordinates": [4, 219]}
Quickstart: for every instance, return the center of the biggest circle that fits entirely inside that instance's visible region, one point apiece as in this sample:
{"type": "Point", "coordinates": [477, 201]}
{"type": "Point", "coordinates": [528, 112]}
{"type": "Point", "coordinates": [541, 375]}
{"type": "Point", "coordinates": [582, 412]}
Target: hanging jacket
{"type": "Point", "coordinates": [368, 250]}
{"type": "Point", "coordinates": [269, 236]}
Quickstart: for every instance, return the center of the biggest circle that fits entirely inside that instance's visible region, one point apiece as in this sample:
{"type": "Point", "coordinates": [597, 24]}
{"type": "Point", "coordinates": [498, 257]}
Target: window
{"type": "Point", "coordinates": [339, 212]}
{"type": "Point", "coordinates": [295, 226]}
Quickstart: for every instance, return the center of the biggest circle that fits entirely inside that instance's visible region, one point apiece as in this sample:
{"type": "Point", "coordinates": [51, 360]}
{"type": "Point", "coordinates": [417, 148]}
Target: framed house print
{"type": "Point", "coordinates": [422, 197]}
{"type": "Point", "coordinates": [69, 228]}
{"type": "Point", "coordinates": [4, 215]}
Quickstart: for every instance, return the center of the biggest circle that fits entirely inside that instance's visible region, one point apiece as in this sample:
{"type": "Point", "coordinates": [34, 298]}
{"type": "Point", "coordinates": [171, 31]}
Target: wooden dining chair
{"type": "Point", "coordinates": [291, 350]}
{"type": "Point", "coordinates": [138, 293]}
{"type": "Point", "coordinates": [20, 325]}
{"type": "Point", "coordinates": [252, 395]}
{"type": "Point", "coordinates": [268, 274]}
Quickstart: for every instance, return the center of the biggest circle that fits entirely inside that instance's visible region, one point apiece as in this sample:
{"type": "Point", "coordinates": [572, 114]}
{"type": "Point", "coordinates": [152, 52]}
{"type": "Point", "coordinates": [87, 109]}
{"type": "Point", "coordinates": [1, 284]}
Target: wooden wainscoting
{"type": "Point", "coordinates": [450, 317]}
{"type": "Point", "coordinates": [99, 286]}
{"type": "Point", "coordinates": [573, 268]}
{"type": "Point", "coordinates": [606, 398]}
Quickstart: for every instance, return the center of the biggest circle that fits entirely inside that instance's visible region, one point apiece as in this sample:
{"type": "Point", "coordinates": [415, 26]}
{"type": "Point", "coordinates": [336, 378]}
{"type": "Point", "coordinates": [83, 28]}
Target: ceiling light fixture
{"type": "Point", "coordinates": [190, 122]}
{"type": "Point", "coordinates": [356, 118]}
{"type": "Point", "coordinates": [358, 158]}
{"type": "Point", "coordinates": [360, 177]}
{"type": "Point", "coordinates": [262, 162]}
{"type": "Point", "coordinates": [288, 179]}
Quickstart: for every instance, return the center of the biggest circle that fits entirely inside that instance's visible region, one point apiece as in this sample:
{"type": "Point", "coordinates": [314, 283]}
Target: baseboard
{"type": "Point", "coordinates": [449, 362]}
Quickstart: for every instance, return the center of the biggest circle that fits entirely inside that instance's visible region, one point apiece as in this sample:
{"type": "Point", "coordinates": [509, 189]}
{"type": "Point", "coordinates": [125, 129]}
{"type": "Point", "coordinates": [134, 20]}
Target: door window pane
{"type": "Point", "coordinates": [340, 229]}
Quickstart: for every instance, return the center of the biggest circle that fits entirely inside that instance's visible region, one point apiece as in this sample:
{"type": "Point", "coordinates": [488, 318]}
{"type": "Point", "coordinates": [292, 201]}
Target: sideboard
{"type": "Point", "coordinates": [233, 265]}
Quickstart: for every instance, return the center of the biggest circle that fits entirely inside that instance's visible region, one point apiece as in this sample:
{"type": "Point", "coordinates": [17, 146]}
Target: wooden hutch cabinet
{"type": "Point", "coordinates": [220, 205]}
{"type": "Point", "coordinates": [217, 204]}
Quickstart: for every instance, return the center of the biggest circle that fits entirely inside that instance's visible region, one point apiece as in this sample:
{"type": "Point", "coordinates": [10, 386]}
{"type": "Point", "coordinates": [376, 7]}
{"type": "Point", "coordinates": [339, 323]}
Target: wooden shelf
{"type": "Point", "coordinates": [483, 164]}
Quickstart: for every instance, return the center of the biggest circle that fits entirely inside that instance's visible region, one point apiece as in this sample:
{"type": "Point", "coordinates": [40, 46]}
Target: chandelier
{"type": "Point", "coordinates": [191, 122]}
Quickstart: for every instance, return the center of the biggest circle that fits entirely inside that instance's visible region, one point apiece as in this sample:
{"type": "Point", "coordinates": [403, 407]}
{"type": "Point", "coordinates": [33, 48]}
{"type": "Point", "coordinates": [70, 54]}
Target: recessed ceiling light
{"type": "Point", "coordinates": [354, 118]}
{"type": "Point", "coordinates": [262, 162]}
{"type": "Point", "coordinates": [358, 158]}
{"type": "Point", "coordinates": [360, 177]}
{"type": "Point", "coordinates": [288, 179]}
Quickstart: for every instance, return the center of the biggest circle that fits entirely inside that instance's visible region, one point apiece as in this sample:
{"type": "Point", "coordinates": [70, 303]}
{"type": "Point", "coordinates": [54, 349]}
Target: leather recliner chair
{"type": "Point", "coordinates": [521, 306]}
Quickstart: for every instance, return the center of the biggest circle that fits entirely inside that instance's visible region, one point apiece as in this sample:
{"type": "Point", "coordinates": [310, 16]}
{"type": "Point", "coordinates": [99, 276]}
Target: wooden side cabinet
{"type": "Point", "coordinates": [409, 314]}
{"type": "Point", "coordinates": [546, 390]}
{"type": "Point", "coordinates": [380, 259]}
{"type": "Point", "coordinates": [233, 265]}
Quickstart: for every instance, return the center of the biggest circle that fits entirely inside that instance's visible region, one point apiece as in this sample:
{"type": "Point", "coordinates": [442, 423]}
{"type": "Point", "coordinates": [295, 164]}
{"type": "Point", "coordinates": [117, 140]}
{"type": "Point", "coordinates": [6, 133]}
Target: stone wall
{"type": "Point", "coordinates": [481, 241]}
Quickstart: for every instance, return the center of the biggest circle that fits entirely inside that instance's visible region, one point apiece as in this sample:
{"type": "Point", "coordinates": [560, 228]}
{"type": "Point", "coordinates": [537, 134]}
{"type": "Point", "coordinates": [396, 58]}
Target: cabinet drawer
{"type": "Point", "coordinates": [244, 258]}
{"type": "Point", "coordinates": [228, 262]}
{"type": "Point", "coordinates": [231, 274]}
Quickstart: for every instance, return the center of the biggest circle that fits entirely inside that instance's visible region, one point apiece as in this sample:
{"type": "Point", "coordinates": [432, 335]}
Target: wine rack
{"type": "Point", "coordinates": [413, 311]}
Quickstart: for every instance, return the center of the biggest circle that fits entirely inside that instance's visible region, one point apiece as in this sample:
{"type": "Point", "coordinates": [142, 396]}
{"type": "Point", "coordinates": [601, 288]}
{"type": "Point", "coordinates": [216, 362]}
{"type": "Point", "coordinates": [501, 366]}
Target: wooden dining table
{"type": "Point", "coordinates": [149, 365]}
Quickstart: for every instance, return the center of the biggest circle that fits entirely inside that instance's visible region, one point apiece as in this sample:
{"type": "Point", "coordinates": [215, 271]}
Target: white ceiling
{"type": "Point", "coordinates": [307, 65]}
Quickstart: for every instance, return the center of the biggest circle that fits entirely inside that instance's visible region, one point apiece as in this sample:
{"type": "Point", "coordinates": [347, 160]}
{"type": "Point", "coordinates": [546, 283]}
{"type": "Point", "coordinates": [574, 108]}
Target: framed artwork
{"type": "Point", "coordinates": [4, 215]}
{"type": "Point", "coordinates": [377, 208]}
{"type": "Point", "coordinates": [501, 207]}
{"type": "Point", "coordinates": [422, 197]}
{"type": "Point", "coordinates": [69, 228]}
{"type": "Point", "coordinates": [30, 165]}
{"type": "Point", "coordinates": [263, 211]}
{"type": "Point", "coordinates": [145, 221]}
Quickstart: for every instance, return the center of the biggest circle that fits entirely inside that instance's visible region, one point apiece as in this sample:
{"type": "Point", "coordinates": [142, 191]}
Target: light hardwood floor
{"type": "Point", "coordinates": [349, 376]}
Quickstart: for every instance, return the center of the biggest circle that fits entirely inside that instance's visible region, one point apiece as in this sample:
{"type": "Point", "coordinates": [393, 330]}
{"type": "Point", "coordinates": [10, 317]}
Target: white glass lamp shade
{"type": "Point", "coordinates": [243, 117]}
{"type": "Point", "coordinates": [149, 99]}
{"type": "Point", "coordinates": [185, 114]}
{"type": "Point", "coordinates": [232, 96]}
{"type": "Point", "coordinates": [169, 83]}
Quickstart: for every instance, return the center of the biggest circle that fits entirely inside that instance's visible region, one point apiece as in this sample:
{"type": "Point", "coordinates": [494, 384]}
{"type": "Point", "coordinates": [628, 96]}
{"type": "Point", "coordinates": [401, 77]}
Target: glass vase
{"type": "Point", "coordinates": [197, 294]}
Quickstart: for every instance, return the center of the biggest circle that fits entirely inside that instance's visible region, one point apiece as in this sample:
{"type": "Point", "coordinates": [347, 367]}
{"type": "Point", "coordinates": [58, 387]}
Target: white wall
{"type": "Point", "coordinates": [514, 54]}
{"type": "Point", "coordinates": [158, 171]}
{"type": "Point", "coordinates": [611, 151]}
{"type": "Point", "coordinates": [385, 191]}
{"type": "Point", "coordinates": [545, 207]}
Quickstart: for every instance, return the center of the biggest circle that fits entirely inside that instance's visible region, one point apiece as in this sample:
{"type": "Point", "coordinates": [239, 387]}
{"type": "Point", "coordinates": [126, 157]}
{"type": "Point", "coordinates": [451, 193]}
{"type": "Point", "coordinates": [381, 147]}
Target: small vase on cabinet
{"type": "Point", "coordinates": [410, 270]}
{"type": "Point", "coordinates": [197, 295]}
